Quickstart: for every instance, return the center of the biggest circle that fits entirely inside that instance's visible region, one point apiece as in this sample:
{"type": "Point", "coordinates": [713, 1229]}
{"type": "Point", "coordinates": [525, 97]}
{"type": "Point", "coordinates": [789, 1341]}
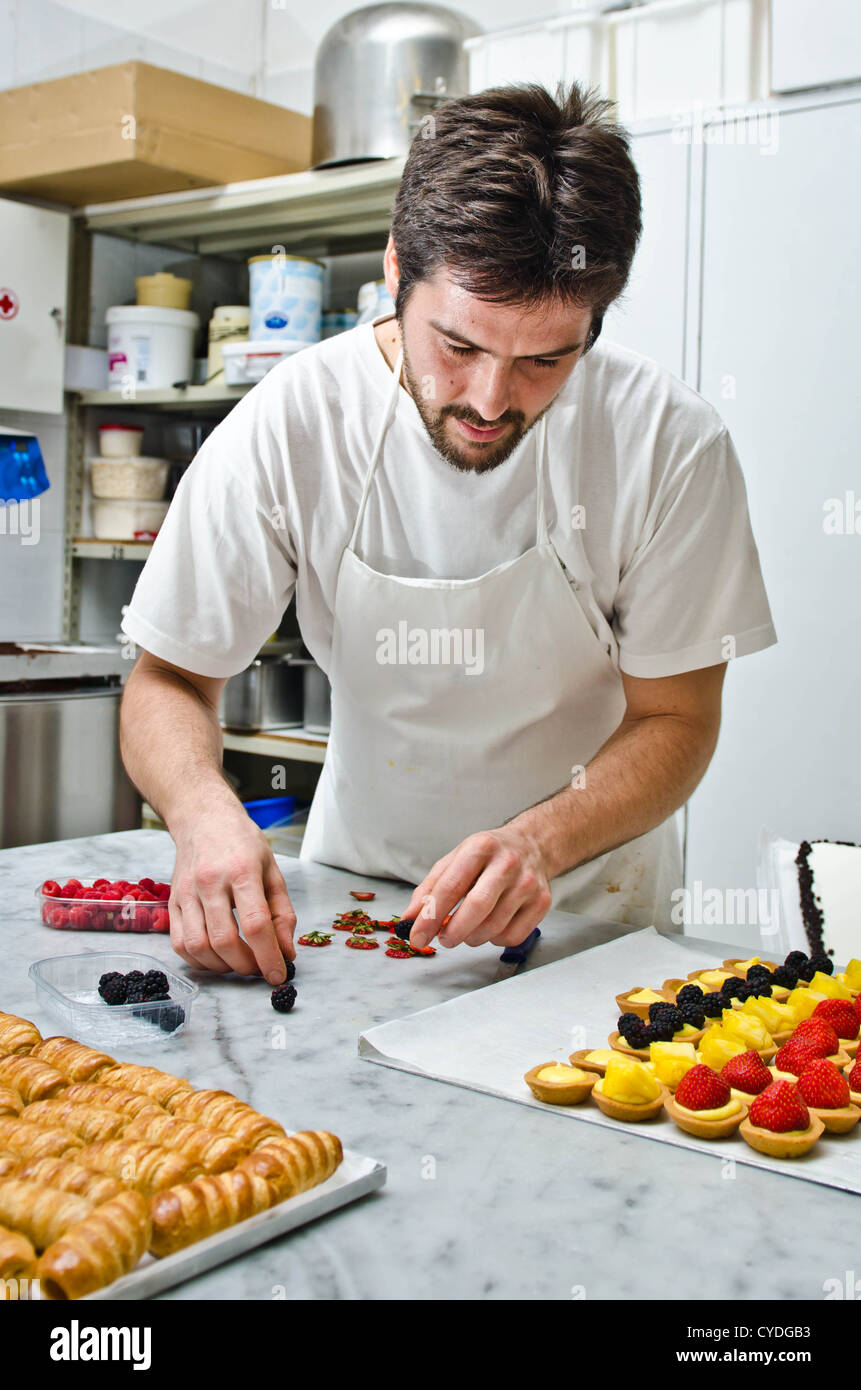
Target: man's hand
{"type": "Point", "coordinates": [500, 876]}
{"type": "Point", "coordinates": [223, 860]}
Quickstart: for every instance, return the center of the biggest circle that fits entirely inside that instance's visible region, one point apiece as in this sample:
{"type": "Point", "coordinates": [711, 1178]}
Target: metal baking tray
{"type": "Point", "coordinates": [356, 1176]}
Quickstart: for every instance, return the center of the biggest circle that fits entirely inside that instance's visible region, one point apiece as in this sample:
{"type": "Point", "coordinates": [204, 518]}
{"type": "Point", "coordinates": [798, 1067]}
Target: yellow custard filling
{"type": "Point", "coordinates": [686, 1032]}
{"type": "Point", "coordinates": [746, 964]}
{"type": "Point", "coordinates": [559, 1073]}
{"type": "Point", "coordinates": [645, 996]}
{"type": "Point", "coordinates": [723, 1112]}
{"type": "Point", "coordinates": [714, 978]}
{"type": "Point", "coordinates": [600, 1057]}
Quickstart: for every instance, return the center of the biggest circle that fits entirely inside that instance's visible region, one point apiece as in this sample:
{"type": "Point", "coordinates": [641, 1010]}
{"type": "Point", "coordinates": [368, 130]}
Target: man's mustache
{"type": "Point", "coordinates": [471, 417]}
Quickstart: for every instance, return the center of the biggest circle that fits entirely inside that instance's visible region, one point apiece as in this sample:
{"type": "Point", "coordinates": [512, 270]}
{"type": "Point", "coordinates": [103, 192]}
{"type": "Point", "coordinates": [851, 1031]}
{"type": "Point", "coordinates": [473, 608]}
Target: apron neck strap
{"type": "Point", "coordinates": [542, 535]}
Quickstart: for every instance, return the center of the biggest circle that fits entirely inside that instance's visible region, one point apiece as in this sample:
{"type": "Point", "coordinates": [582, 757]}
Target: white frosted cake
{"type": "Point", "coordinates": [829, 885]}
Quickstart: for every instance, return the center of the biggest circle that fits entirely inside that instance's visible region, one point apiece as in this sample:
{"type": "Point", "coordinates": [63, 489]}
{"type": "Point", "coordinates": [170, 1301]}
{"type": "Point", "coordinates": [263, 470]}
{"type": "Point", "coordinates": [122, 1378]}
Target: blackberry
{"type": "Point", "coordinates": [135, 977]}
{"type": "Point", "coordinates": [713, 1004]}
{"type": "Point", "coordinates": [732, 988]}
{"type": "Point", "coordinates": [290, 967]}
{"type": "Point", "coordinates": [651, 1033]}
{"type": "Point", "coordinates": [403, 928]}
{"type": "Point", "coordinates": [155, 982]}
{"type": "Point", "coordinates": [758, 972]}
{"type": "Point", "coordinates": [114, 991]}
{"type": "Point", "coordinates": [745, 991]}
{"type": "Point", "coordinates": [693, 1014]}
{"type": "Point", "coordinates": [762, 989]}
{"type": "Point", "coordinates": [632, 1028]}
{"type": "Point", "coordinates": [795, 960]}
{"type": "Point", "coordinates": [662, 1031]}
{"type": "Point", "coordinates": [807, 971]}
{"type": "Point", "coordinates": [823, 963]}
{"type": "Point", "coordinates": [689, 994]}
{"type": "Point", "coordinates": [657, 1011]}
{"type": "Point", "coordinates": [786, 976]}
{"type": "Point", "coordinates": [136, 994]}
{"type": "Point", "coordinates": [170, 1019]}
{"type": "Point", "coordinates": [157, 998]}
{"type": "Point", "coordinates": [283, 998]}
{"type": "Point", "coordinates": [111, 978]}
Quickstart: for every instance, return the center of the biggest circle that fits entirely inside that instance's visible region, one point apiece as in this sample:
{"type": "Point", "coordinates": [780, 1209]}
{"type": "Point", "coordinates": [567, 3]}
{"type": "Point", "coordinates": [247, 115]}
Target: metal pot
{"type": "Point", "coordinates": [317, 695]}
{"type": "Point", "coordinates": [266, 695]}
{"type": "Point", "coordinates": [379, 71]}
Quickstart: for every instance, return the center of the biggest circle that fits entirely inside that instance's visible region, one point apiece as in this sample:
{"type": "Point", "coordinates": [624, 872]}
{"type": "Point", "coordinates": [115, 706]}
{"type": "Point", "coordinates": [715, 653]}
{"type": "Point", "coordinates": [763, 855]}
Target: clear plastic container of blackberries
{"type": "Point", "coordinates": [68, 989]}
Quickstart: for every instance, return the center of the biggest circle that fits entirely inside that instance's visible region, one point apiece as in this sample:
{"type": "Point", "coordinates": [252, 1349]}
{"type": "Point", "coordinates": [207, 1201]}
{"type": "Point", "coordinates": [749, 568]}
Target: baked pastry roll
{"type": "Point", "coordinates": [145, 1167]}
{"type": "Point", "coordinates": [32, 1079]}
{"type": "Point", "coordinates": [10, 1101]}
{"type": "Point", "coordinates": [221, 1110]}
{"type": "Point", "coordinates": [72, 1177]}
{"type": "Point", "coordinates": [123, 1102]}
{"type": "Point", "coordinates": [73, 1059]}
{"type": "Point", "coordinates": [145, 1081]}
{"type": "Point", "coordinates": [91, 1123]}
{"type": "Point", "coordinates": [17, 1035]}
{"type": "Point", "coordinates": [307, 1158]}
{"type": "Point", "coordinates": [10, 1163]}
{"type": "Point", "coordinates": [215, 1151]}
{"type": "Point", "coordinates": [97, 1250]}
{"type": "Point", "coordinates": [192, 1211]}
{"type": "Point", "coordinates": [32, 1141]}
{"type": "Point", "coordinates": [17, 1256]}
{"type": "Point", "coordinates": [40, 1213]}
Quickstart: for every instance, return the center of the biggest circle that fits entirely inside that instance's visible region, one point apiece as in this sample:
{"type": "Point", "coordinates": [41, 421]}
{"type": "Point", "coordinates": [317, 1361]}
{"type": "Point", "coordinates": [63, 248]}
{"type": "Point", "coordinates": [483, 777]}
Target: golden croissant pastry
{"type": "Point", "coordinates": [91, 1123]}
{"type": "Point", "coordinates": [147, 1081]}
{"type": "Point", "coordinates": [34, 1141]}
{"type": "Point", "coordinates": [97, 1250]}
{"type": "Point", "coordinates": [40, 1213]}
{"type": "Point", "coordinates": [9, 1163]}
{"type": "Point", "coordinates": [17, 1034]}
{"type": "Point", "coordinates": [123, 1102]}
{"type": "Point", "coordinates": [145, 1167]}
{"type": "Point", "coordinates": [73, 1059]}
{"type": "Point", "coordinates": [220, 1110]}
{"type": "Point", "coordinates": [214, 1151]}
{"type": "Point", "coordinates": [32, 1079]}
{"type": "Point", "coordinates": [72, 1177]}
{"type": "Point", "coordinates": [293, 1165]}
{"type": "Point", "coordinates": [17, 1257]}
{"type": "Point", "coordinates": [10, 1101]}
{"type": "Point", "coordinates": [185, 1214]}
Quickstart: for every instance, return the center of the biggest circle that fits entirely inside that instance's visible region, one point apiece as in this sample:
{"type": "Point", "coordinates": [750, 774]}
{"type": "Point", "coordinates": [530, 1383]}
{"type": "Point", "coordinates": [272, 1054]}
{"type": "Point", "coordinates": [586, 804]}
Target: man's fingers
{"type": "Point", "coordinates": [283, 915]}
{"type": "Point", "coordinates": [224, 935]}
{"type": "Point", "coordinates": [255, 919]}
{"type": "Point", "coordinates": [195, 940]}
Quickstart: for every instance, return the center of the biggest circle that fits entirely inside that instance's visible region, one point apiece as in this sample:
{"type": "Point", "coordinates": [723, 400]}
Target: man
{"type": "Point", "coordinates": [522, 555]}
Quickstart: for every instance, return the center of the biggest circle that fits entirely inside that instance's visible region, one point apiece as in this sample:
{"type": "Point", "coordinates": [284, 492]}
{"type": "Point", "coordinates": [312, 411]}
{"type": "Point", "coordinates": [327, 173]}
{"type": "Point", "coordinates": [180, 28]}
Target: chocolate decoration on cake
{"type": "Point", "coordinates": [811, 912]}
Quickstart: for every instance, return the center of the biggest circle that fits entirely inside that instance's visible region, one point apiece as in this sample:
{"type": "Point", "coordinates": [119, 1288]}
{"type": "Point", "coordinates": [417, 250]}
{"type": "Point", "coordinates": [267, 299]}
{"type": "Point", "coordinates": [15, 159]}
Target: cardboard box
{"type": "Point", "coordinates": [134, 129]}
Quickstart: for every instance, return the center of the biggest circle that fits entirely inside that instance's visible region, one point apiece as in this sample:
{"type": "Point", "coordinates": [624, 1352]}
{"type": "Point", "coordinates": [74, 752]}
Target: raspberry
{"type": "Point", "coordinates": [59, 918]}
{"type": "Point", "coordinates": [160, 918]}
{"type": "Point", "coordinates": [51, 889]}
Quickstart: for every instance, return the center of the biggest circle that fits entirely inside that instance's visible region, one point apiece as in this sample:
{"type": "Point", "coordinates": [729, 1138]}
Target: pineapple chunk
{"type": "Point", "coordinates": [831, 988]}
{"type": "Point", "coordinates": [628, 1080]}
{"type": "Point", "coordinates": [851, 976]}
{"type": "Point", "coordinates": [716, 1048]}
{"type": "Point", "coordinates": [670, 1061]}
{"type": "Point", "coordinates": [767, 1011]}
{"type": "Point", "coordinates": [746, 1029]}
{"type": "Point", "coordinates": [802, 1003]}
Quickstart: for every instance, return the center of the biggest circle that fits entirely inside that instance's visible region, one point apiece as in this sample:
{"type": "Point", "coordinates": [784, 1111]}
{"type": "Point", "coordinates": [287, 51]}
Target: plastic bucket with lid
{"type": "Point", "coordinates": [149, 347]}
{"type": "Point", "coordinates": [286, 298]}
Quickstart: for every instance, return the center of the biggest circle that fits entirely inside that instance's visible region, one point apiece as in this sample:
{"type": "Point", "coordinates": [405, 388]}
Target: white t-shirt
{"type": "Point", "coordinates": [662, 554]}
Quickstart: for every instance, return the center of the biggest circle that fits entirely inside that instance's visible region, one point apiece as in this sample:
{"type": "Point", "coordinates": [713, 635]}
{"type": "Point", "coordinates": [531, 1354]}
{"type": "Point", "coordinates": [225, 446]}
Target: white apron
{"type": "Point", "coordinates": [431, 741]}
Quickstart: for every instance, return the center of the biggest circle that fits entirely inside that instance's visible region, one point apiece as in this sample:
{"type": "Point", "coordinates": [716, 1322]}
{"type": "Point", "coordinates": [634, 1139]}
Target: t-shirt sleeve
{"type": "Point", "coordinates": [222, 568]}
{"type": "Point", "coordinates": [692, 594]}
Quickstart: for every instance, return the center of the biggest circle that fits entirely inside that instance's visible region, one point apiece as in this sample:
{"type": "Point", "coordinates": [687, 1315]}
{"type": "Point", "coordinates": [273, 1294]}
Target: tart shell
{"type": "Point", "coordinates": [792, 1145]}
{"type": "Point", "coordinates": [837, 1120]}
{"type": "Point", "coordinates": [578, 1059]}
{"type": "Point", "coordinates": [560, 1093]}
{"type": "Point", "coordinates": [623, 1110]}
{"type": "Point", "coordinates": [618, 1044]}
{"type": "Point", "coordinates": [707, 1129]}
{"type": "Point", "coordinates": [732, 966]}
{"type": "Point", "coordinates": [625, 1005]}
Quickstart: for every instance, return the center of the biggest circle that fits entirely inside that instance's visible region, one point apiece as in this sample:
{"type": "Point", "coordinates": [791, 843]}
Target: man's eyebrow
{"type": "Point", "coordinates": [450, 333]}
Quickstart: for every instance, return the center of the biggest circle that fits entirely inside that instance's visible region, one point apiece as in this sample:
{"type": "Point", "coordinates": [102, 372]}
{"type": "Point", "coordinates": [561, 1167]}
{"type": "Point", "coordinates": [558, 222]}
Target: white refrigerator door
{"type": "Point", "coordinates": [781, 305]}
{"type": "Point", "coordinates": [34, 251]}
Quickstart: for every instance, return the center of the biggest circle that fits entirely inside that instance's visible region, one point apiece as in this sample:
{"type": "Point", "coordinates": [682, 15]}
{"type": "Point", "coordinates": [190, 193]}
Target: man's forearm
{"type": "Point", "coordinates": [171, 744]}
{"type": "Point", "coordinates": [644, 772]}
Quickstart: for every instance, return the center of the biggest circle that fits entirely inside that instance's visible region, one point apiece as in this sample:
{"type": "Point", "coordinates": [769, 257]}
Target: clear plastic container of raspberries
{"type": "Point", "coordinates": [104, 905]}
{"type": "Point", "coordinates": [75, 991]}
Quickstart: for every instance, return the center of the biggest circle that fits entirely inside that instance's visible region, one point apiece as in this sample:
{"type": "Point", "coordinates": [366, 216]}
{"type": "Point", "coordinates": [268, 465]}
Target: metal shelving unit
{"type": "Point", "coordinates": [292, 744]}
{"type": "Point", "coordinates": [181, 398]}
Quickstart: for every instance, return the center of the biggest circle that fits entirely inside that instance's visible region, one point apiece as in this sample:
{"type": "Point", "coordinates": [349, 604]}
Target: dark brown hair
{"type": "Point", "coordinates": [522, 197]}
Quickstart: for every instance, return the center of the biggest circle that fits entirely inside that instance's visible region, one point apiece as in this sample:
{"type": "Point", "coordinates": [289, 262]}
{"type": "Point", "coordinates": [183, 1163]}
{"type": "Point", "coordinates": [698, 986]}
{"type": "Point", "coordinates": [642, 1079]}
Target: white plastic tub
{"type": "Point", "coordinates": [245, 363]}
{"type": "Point", "coordinates": [136, 479]}
{"type": "Point", "coordinates": [149, 347]}
{"type": "Point", "coordinates": [120, 441]}
{"type": "Point", "coordinates": [127, 521]}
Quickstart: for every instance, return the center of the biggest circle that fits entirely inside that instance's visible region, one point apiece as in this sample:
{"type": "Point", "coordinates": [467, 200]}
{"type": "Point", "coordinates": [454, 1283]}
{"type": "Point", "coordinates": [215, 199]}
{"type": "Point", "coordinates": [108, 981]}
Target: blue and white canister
{"type": "Point", "coordinates": [286, 294]}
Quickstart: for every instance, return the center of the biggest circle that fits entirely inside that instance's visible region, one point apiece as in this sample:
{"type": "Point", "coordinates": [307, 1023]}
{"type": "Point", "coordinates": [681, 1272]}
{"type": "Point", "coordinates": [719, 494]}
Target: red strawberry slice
{"type": "Point", "coordinates": [747, 1072]}
{"type": "Point", "coordinates": [779, 1109]}
{"type": "Point", "coordinates": [822, 1085]}
{"type": "Point", "coordinates": [816, 1033]}
{"type": "Point", "coordinates": [839, 1015]}
{"type": "Point", "coordinates": [702, 1089]}
{"type": "Point", "coordinates": [361, 897]}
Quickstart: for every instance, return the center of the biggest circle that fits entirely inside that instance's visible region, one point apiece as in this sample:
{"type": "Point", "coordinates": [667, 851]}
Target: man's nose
{"type": "Point", "coordinates": [490, 391]}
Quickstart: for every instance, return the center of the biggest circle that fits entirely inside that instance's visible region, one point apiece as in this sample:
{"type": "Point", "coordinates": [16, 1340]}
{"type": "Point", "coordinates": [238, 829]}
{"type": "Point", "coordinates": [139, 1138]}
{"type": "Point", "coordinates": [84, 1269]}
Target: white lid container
{"type": "Point", "coordinates": [136, 479]}
{"type": "Point", "coordinates": [149, 347]}
{"type": "Point", "coordinates": [119, 441]}
{"type": "Point", "coordinates": [245, 363]}
{"type": "Point", "coordinates": [127, 521]}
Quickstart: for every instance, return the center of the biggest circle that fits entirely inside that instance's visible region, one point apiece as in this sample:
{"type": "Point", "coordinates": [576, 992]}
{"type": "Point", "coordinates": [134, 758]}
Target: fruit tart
{"type": "Point", "coordinates": [593, 1059]}
{"type": "Point", "coordinates": [629, 1091]}
{"type": "Point", "coordinates": [741, 967]}
{"type": "Point", "coordinates": [840, 1015]}
{"type": "Point", "coordinates": [670, 1061]}
{"type": "Point", "coordinates": [747, 1075]}
{"type": "Point", "coordinates": [710, 979]}
{"type": "Point", "coordinates": [750, 1031]}
{"type": "Point", "coordinates": [637, 1001]}
{"type": "Point", "coordinates": [704, 1105]}
{"type": "Point", "coordinates": [559, 1083]}
{"type": "Point", "coordinates": [816, 1041]}
{"type": "Point", "coordinates": [779, 1123]}
{"type": "Point", "coordinates": [827, 1095]}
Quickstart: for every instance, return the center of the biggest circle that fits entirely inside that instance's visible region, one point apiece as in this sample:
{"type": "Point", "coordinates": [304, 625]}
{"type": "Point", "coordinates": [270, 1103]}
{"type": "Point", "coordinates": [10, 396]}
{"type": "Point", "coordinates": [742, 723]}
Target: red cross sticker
{"type": "Point", "coordinates": [9, 305]}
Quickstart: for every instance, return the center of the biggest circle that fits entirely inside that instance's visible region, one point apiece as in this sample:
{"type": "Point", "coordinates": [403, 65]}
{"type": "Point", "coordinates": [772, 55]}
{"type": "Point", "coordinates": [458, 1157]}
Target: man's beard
{"type": "Point", "coordinates": [493, 453]}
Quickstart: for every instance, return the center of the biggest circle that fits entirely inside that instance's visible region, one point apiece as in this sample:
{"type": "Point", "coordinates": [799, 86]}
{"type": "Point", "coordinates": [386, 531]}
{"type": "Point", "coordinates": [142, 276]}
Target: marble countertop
{"type": "Point", "coordinates": [484, 1199]}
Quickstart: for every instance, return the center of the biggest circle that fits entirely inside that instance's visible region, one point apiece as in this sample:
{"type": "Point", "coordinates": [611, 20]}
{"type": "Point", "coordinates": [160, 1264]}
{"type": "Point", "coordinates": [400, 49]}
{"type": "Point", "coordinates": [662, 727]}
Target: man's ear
{"type": "Point", "coordinates": [391, 269]}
